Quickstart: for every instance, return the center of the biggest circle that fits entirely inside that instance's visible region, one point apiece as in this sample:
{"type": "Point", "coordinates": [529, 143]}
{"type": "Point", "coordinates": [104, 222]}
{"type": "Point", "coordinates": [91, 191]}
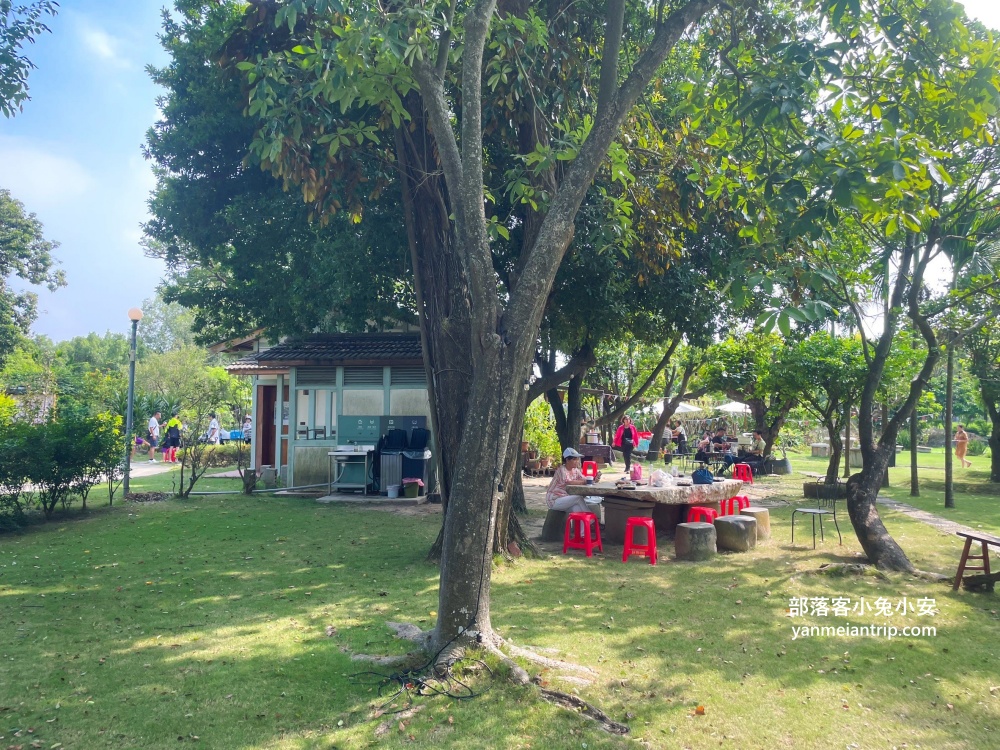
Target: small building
{"type": "Point", "coordinates": [328, 384]}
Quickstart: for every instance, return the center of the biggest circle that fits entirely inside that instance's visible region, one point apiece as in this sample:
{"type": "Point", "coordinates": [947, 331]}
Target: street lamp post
{"type": "Point", "coordinates": [135, 315]}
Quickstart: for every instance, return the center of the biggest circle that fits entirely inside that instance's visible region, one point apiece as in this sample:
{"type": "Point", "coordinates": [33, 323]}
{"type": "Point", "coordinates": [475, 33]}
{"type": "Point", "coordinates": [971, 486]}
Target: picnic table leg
{"type": "Point", "coordinates": [986, 558]}
{"type": "Point", "coordinates": [961, 564]}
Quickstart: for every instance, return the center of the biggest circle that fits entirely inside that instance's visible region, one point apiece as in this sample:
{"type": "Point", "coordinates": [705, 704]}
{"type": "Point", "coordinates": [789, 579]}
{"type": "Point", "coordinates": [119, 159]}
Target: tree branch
{"type": "Point", "coordinates": [614, 21]}
{"type": "Point", "coordinates": [634, 398]}
{"type": "Point", "coordinates": [581, 360]}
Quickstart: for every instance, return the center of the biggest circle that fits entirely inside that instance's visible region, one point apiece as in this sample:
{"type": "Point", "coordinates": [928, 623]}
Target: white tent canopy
{"type": "Point", "coordinates": [734, 407]}
{"type": "Point", "coordinates": [682, 408]}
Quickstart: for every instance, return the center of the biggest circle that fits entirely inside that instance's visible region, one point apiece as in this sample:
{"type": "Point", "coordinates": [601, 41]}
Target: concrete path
{"type": "Point", "coordinates": [942, 524]}
{"type": "Point", "coordinates": [142, 468]}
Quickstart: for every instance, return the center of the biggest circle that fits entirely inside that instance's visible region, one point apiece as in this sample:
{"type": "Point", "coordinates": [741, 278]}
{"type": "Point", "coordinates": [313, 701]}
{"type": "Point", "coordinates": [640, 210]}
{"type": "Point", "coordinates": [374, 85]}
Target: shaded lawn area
{"type": "Point", "coordinates": [977, 500]}
{"type": "Point", "coordinates": [151, 624]}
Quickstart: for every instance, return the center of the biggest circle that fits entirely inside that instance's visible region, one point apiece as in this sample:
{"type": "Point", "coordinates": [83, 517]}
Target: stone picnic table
{"type": "Point", "coordinates": [667, 506]}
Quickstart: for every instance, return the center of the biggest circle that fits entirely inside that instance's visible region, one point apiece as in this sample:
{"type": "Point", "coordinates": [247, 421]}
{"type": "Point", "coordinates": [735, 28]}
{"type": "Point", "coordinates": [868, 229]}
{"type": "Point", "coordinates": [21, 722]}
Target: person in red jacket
{"type": "Point", "coordinates": [626, 438]}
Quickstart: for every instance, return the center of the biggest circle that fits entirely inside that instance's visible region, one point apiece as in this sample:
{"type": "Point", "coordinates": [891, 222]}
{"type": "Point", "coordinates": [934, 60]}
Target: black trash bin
{"type": "Point", "coordinates": [389, 460]}
{"type": "Point", "coordinates": [416, 458]}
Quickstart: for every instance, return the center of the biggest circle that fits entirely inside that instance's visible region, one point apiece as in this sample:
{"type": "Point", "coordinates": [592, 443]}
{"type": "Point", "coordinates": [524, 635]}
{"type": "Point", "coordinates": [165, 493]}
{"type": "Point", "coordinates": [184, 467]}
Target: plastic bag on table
{"type": "Point", "coordinates": [660, 478]}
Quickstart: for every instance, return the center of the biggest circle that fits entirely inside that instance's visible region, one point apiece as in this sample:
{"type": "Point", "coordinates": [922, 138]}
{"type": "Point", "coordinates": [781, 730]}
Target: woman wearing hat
{"type": "Point", "coordinates": [556, 496]}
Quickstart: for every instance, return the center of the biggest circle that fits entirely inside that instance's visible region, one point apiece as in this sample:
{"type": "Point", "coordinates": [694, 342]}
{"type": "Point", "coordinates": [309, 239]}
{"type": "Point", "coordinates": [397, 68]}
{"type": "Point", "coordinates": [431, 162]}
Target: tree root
{"type": "Point", "coordinates": [492, 643]}
{"type": "Point", "coordinates": [575, 703]}
{"type": "Point", "coordinates": [546, 661]}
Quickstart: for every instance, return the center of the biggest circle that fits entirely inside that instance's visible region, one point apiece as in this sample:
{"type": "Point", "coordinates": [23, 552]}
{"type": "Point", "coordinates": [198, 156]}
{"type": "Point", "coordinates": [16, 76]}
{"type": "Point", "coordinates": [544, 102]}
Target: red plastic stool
{"type": "Point", "coordinates": [577, 523]}
{"type": "Point", "coordinates": [589, 469]}
{"type": "Point", "coordinates": [649, 548]}
{"type": "Point", "coordinates": [699, 512]}
{"type": "Point", "coordinates": [743, 473]}
{"type": "Point", "coordinates": [734, 505]}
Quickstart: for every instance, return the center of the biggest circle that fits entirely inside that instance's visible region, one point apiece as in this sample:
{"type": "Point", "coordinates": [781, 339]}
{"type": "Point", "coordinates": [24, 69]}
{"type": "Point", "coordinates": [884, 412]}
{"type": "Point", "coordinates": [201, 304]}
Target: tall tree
{"type": "Point", "coordinates": [757, 370]}
{"type": "Point", "coordinates": [403, 65]}
{"type": "Point", "coordinates": [19, 25]}
{"type": "Point", "coordinates": [242, 252]}
{"type": "Point", "coordinates": [971, 242]}
{"type": "Point", "coordinates": [886, 150]}
{"type": "Point", "coordinates": [984, 347]}
{"type": "Point", "coordinates": [27, 255]}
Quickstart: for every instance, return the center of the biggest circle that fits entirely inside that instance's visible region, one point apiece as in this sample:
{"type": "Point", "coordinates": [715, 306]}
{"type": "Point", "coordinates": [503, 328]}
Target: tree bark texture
{"type": "Point", "coordinates": [949, 429]}
{"type": "Point", "coordinates": [759, 410]}
{"type": "Point", "coordinates": [847, 445]}
{"type": "Point", "coordinates": [836, 448]}
{"type": "Point", "coordinates": [914, 474]}
{"type": "Point", "coordinates": [881, 549]}
{"type": "Point", "coordinates": [479, 348]}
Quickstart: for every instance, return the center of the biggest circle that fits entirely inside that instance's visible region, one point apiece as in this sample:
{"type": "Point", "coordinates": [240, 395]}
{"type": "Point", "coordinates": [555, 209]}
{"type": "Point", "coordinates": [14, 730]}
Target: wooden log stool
{"type": "Point", "coordinates": [555, 522]}
{"type": "Point", "coordinates": [736, 533]}
{"type": "Point", "coordinates": [763, 521]}
{"type": "Point", "coordinates": [694, 541]}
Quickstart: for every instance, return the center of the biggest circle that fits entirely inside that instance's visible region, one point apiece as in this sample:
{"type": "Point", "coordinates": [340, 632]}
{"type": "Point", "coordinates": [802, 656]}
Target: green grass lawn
{"type": "Point", "coordinates": [205, 622]}
{"type": "Point", "coordinates": [977, 501]}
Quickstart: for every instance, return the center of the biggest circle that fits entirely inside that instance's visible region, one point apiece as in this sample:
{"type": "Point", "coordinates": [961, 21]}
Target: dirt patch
{"type": "Point", "coordinates": [147, 497]}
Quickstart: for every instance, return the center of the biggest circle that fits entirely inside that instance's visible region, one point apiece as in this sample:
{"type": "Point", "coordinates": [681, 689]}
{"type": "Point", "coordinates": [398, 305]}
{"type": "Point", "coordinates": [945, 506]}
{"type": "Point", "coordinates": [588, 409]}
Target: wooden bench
{"type": "Point", "coordinates": [985, 542]}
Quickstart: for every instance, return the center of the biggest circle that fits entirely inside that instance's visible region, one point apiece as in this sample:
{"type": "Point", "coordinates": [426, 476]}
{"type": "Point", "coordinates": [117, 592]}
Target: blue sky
{"type": "Point", "coordinates": [73, 156]}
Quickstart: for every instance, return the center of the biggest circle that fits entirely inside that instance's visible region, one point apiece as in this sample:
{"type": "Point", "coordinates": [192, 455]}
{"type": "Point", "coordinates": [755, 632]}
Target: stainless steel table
{"type": "Point", "coordinates": [340, 459]}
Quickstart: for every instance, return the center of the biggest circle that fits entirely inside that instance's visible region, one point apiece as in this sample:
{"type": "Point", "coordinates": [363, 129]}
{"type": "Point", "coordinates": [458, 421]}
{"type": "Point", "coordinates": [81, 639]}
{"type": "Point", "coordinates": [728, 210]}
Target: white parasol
{"type": "Point", "coordinates": [734, 407]}
{"type": "Point", "coordinates": [682, 408]}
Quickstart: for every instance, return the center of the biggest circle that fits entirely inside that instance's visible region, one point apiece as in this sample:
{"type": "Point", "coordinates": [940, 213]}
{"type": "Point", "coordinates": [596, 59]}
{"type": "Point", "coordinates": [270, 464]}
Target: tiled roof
{"type": "Point", "coordinates": [336, 349]}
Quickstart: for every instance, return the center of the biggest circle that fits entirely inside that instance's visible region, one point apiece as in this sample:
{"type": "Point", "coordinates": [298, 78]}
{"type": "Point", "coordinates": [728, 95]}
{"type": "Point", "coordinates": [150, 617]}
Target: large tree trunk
{"type": "Point", "coordinates": [862, 489]}
{"type": "Point", "coordinates": [836, 447]}
{"type": "Point", "coordinates": [881, 549]}
{"type": "Point", "coordinates": [508, 528]}
{"type": "Point", "coordinates": [990, 392]}
{"type": "Point", "coordinates": [914, 475]}
{"type": "Point", "coordinates": [994, 442]}
{"type": "Point", "coordinates": [847, 443]}
{"type": "Point", "coordinates": [759, 410]}
{"type": "Point", "coordinates": [949, 453]}
{"type": "Point", "coordinates": [484, 343]}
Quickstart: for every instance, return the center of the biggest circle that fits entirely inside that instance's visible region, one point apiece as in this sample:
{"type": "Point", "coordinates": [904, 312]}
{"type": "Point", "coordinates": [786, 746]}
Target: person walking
{"type": "Point", "coordinates": [213, 430]}
{"type": "Point", "coordinates": [626, 438]}
{"type": "Point", "coordinates": [247, 430]}
{"type": "Point", "coordinates": [962, 446]}
{"type": "Point", "coordinates": [154, 435]}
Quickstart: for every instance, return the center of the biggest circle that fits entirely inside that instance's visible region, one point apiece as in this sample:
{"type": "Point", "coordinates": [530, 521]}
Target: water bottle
{"type": "Point", "coordinates": [673, 471]}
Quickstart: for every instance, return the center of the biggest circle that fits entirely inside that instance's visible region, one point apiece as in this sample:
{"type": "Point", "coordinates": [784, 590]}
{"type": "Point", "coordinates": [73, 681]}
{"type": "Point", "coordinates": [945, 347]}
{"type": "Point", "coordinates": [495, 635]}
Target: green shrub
{"type": "Point", "coordinates": [540, 429]}
{"type": "Point", "coordinates": [15, 446]}
{"type": "Point", "coordinates": [978, 447]}
{"type": "Point", "coordinates": [218, 456]}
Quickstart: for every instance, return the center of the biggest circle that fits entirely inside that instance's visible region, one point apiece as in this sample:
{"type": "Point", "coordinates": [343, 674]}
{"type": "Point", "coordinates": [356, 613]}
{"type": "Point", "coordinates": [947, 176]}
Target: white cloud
{"type": "Point", "coordinates": [39, 178]}
{"type": "Point", "coordinates": [100, 44]}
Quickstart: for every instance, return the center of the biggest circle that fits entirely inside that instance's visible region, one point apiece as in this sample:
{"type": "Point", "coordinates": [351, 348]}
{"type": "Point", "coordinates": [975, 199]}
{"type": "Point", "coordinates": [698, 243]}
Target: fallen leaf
{"type": "Point", "coordinates": [699, 711]}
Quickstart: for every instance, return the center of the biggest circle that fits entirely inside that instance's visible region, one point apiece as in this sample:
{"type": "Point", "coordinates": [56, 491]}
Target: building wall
{"type": "Point", "coordinates": [320, 395]}
{"type": "Point", "coordinates": [311, 464]}
{"type": "Point", "coordinates": [410, 402]}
